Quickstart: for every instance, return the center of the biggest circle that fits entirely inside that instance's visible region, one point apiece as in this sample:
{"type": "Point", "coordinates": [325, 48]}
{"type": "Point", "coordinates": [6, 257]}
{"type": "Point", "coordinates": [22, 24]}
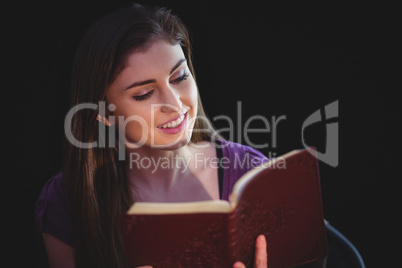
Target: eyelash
{"type": "Point", "coordinates": [181, 78]}
{"type": "Point", "coordinates": [149, 94]}
{"type": "Point", "coordinates": [144, 97]}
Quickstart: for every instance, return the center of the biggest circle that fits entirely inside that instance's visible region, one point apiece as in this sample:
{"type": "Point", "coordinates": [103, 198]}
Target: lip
{"type": "Point", "coordinates": [176, 129]}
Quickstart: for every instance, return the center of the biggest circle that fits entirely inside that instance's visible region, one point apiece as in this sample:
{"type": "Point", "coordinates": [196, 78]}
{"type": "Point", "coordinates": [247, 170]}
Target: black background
{"type": "Point", "coordinates": [289, 58]}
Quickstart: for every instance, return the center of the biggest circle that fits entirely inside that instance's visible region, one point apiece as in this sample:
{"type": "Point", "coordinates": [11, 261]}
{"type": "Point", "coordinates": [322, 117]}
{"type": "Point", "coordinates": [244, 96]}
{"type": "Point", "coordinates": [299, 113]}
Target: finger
{"type": "Point", "coordinates": [261, 256]}
{"type": "Point", "coordinates": [238, 264]}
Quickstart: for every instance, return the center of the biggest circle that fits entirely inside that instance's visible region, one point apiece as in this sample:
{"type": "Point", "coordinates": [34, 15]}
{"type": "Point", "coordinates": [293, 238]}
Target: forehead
{"type": "Point", "coordinates": [159, 56]}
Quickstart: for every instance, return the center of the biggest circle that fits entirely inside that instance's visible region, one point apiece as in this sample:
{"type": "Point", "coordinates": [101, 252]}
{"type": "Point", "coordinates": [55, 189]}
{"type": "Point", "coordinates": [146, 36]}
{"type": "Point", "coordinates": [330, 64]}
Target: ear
{"type": "Point", "coordinates": [103, 120]}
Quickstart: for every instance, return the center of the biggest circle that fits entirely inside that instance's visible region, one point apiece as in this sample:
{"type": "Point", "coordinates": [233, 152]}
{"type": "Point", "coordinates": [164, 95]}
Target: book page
{"type": "Point", "coordinates": [210, 206]}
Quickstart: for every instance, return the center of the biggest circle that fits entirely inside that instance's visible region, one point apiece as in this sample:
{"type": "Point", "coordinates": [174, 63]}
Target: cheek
{"type": "Point", "coordinates": [193, 103]}
{"type": "Point", "coordinates": [192, 96]}
{"type": "Point", "coordinates": [134, 124]}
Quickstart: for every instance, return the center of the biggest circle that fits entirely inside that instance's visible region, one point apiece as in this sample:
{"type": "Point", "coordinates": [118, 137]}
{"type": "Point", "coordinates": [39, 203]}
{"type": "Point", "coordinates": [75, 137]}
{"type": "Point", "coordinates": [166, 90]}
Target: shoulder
{"type": "Point", "coordinates": [53, 213]}
{"type": "Point", "coordinates": [53, 188]}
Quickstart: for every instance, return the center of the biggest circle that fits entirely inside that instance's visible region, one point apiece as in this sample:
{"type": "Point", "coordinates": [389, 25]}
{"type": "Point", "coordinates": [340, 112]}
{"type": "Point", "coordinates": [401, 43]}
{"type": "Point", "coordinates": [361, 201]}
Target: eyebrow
{"type": "Point", "coordinates": [149, 81]}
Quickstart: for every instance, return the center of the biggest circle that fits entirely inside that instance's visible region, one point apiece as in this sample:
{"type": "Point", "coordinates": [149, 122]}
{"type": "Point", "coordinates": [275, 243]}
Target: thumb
{"type": "Point", "coordinates": [261, 256]}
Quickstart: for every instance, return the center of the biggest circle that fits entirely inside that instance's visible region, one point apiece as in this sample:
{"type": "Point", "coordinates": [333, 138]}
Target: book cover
{"type": "Point", "coordinates": [280, 199]}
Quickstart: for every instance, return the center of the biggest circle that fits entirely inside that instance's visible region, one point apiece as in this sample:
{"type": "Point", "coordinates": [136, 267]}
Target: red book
{"type": "Point", "coordinates": [280, 198]}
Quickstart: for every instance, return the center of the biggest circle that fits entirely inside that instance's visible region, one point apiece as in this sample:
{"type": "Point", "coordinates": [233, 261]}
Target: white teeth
{"type": "Point", "coordinates": [173, 123]}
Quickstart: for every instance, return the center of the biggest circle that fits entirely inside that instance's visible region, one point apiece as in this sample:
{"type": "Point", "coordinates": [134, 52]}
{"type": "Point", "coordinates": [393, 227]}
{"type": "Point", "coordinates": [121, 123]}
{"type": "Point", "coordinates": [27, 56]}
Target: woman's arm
{"type": "Point", "coordinates": [59, 254]}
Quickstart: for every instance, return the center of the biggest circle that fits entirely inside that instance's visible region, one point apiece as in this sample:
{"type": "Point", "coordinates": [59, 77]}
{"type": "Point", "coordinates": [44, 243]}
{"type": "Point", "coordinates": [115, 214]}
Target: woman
{"type": "Point", "coordinates": [134, 67]}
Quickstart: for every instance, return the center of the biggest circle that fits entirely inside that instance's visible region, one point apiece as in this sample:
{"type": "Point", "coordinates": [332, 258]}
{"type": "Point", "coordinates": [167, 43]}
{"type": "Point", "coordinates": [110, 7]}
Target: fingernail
{"type": "Point", "coordinates": [237, 265]}
{"type": "Point", "coordinates": [261, 239]}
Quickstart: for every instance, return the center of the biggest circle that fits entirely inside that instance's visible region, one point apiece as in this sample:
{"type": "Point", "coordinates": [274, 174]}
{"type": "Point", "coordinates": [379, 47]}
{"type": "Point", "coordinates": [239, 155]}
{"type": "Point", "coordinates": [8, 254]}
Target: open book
{"type": "Point", "coordinates": [280, 199]}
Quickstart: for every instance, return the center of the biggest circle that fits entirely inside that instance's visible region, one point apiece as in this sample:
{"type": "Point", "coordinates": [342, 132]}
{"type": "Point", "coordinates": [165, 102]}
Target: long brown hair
{"type": "Point", "coordinates": [95, 180]}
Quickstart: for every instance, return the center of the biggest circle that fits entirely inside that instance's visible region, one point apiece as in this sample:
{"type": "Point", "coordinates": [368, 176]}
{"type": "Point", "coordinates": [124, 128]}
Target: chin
{"type": "Point", "coordinates": [171, 145]}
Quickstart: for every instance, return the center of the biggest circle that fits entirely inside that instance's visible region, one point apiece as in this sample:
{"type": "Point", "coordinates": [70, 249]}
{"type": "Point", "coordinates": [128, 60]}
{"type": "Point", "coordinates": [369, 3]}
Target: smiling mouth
{"type": "Point", "coordinates": [174, 123]}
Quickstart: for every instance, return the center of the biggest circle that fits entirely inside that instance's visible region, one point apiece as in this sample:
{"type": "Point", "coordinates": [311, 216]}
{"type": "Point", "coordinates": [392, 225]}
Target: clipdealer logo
{"type": "Point", "coordinates": [326, 115]}
{"type": "Point", "coordinates": [331, 154]}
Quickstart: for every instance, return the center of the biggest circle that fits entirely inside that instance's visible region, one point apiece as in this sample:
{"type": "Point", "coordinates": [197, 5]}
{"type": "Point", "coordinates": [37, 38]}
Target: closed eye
{"type": "Point", "coordinates": [180, 79]}
{"type": "Point", "coordinates": [144, 96]}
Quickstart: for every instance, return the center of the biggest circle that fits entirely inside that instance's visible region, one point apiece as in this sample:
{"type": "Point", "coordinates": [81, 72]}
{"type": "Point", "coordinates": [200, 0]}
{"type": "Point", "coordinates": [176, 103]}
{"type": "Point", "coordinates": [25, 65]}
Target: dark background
{"type": "Point", "coordinates": [289, 58]}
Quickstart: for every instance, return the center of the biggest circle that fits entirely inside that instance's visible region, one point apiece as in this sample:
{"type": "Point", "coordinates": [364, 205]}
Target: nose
{"type": "Point", "coordinates": [171, 101]}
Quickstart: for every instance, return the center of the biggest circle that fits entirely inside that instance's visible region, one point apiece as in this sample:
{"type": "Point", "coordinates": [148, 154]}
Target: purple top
{"type": "Point", "coordinates": [54, 215]}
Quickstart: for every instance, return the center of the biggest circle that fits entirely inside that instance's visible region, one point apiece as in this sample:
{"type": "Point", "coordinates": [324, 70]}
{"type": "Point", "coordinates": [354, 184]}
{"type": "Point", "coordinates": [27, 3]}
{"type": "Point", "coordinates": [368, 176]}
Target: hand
{"type": "Point", "coordinates": [260, 257]}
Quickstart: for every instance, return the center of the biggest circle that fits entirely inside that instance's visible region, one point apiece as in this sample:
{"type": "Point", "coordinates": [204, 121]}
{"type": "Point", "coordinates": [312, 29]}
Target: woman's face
{"type": "Point", "coordinates": [155, 98]}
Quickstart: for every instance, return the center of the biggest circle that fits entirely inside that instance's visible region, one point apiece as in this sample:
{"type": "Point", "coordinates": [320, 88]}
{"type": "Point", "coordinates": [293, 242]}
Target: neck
{"type": "Point", "coordinates": [156, 169]}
